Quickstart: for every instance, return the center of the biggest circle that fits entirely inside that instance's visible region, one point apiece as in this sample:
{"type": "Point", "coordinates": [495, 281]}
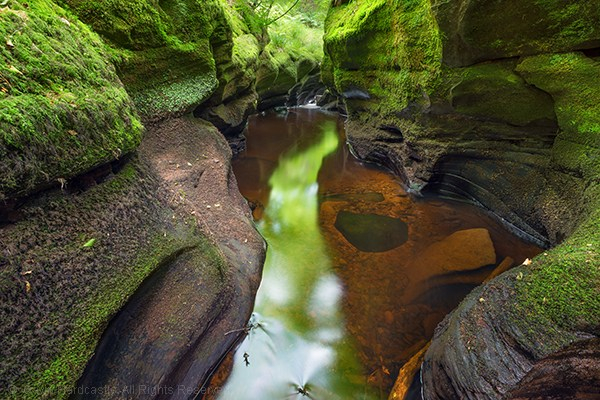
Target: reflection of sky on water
{"type": "Point", "coordinates": [298, 336]}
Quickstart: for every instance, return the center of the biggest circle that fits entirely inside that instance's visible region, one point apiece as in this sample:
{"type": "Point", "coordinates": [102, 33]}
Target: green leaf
{"type": "Point", "coordinates": [89, 243]}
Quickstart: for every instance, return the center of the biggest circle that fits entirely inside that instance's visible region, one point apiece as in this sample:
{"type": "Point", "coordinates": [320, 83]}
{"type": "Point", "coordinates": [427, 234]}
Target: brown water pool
{"type": "Point", "coordinates": [358, 272]}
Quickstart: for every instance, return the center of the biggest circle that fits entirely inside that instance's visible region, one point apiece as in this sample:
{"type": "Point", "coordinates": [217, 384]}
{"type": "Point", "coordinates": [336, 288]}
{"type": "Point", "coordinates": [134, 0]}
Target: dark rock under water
{"type": "Point", "coordinates": [358, 230]}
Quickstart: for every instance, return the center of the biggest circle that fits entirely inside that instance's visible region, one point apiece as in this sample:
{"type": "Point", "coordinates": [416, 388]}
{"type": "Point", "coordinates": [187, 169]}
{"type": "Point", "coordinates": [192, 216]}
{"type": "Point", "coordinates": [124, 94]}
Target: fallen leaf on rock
{"type": "Point", "coordinates": [14, 69]}
{"type": "Point", "coordinates": [527, 261]}
{"type": "Point", "coordinates": [519, 276]}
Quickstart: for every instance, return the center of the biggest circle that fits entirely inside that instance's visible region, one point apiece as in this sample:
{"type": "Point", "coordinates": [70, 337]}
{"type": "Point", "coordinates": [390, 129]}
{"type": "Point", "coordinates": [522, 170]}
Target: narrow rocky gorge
{"type": "Point", "coordinates": [126, 245]}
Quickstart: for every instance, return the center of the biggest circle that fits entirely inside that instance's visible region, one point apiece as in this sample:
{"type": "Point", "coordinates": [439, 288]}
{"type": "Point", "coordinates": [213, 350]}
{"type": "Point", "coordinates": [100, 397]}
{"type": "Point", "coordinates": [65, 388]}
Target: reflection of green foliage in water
{"type": "Point", "coordinates": [299, 339]}
{"type": "Point", "coordinates": [297, 254]}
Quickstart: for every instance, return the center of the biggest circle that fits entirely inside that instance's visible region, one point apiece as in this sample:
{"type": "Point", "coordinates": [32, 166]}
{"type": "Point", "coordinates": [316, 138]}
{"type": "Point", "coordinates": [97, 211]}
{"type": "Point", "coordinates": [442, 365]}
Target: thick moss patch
{"type": "Point", "coordinates": [390, 50]}
{"type": "Point", "coordinates": [64, 110]}
{"type": "Point", "coordinates": [163, 50]}
{"type": "Point", "coordinates": [562, 288]}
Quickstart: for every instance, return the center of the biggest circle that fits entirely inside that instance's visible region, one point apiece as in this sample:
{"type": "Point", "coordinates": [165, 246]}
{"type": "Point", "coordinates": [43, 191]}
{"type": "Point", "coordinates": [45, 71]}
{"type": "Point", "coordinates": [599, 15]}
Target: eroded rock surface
{"type": "Point", "coordinates": [490, 104]}
{"type": "Point", "coordinates": [172, 334]}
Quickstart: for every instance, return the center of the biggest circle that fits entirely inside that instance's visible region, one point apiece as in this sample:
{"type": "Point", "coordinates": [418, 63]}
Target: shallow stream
{"type": "Point", "coordinates": [358, 272]}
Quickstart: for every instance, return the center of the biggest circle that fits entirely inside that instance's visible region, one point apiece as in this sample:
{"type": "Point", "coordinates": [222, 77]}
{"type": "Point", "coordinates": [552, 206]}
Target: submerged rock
{"type": "Point", "coordinates": [464, 250]}
{"type": "Point", "coordinates": [372, 232]}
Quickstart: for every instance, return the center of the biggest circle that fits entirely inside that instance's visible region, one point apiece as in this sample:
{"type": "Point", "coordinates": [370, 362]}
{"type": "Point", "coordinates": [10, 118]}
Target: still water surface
{"type": "Point", "coordinates": [358, 273]}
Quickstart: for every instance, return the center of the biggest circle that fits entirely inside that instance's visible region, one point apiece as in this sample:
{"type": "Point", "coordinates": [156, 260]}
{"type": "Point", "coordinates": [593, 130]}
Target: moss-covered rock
{"type": "Point", "coordinates": [388, 50]}
{"type": "Point", "coordinates": [518, 136]}
{"type": "Point", "coordinates": [478, 30]}
{"type": "Point", "coordinates": [573, 81]}
{"type": "Point", "coordinates": [494, 91]}
{"type": "Point", "coordinates": [162, 50]}
{"type": "Point", "coordinates": [59, 289]}
{"type": "Point", "coordinates": [76, 257]}
{"type": "Point", "coordinates": [64, 110]}
{"type": "Point", "coordinates": [294, 52]}
{"type": "Point", "coordinates": [237, 62]}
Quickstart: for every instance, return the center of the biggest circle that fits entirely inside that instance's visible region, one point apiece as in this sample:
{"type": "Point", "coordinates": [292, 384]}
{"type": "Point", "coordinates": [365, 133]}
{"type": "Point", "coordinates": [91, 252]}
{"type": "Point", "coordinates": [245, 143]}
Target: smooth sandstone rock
{"type": "Point", "coordinates": [462, 251]}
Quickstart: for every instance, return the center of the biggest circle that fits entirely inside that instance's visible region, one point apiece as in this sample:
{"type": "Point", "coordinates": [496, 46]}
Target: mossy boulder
{"type": "Point", "coordinates": [64, 110]}
{"type": "Point", "coordinates": [164, 51]}
{"type": "Point", "coordinates": [59, 289]}
{"type": "Point", "coordinates": [536, 311]}
{"type": "Point", "coordinates": [504, 328]}
{"type": "Point", "coordinates": [139, 239]}
{"type": "Point", "coordinates": [478, 30]}
{"type": "Point", "coordinates": [387, 49]}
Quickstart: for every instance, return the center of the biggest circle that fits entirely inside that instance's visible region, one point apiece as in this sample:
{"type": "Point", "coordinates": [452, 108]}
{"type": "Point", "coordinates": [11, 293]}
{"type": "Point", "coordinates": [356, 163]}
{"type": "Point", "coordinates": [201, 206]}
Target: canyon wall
{"type": "Point", "coordinates": [494, 103]}
{"type": "Point", "coordinates": [120, 216]}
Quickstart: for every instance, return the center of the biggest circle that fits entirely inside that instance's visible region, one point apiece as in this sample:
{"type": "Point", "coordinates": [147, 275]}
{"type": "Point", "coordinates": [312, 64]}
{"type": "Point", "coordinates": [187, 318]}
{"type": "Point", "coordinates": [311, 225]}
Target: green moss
{"type": "Point", "coordinates": [572, 80]}
{"type": "Point", "coordinates": [295, 49]}
{"type": "Point", "coordinates": [97, 281]}
{"type": "Point", "coordinates": [494, 90]}
{"type": "Point", "coordinates": [562, 287]}
{"type": "Point", "coordinates": [169, 81]}
{"type": "Point", "coordinates": [245, 50]}
{"type": "Point", "coordinates": [164, 50]}
{"type": "Point", "coordinates": [396, 44]}
{"type": "Point", "coordinates": [64, 110]}
{"type": "Point", "coordinates": [58, 379]}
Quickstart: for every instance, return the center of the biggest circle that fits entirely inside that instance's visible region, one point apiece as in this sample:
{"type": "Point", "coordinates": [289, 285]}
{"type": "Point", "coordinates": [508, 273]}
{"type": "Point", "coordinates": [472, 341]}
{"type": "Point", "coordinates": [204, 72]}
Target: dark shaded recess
{"type": "Point", "coordinates": [393, 130]}
{"type": "Point", "coordinates": [10, 209]}
{"type": "Point", "coordinates": [370, 197]}
{"type": "Point", "coordinates": [304, 92]}
{"type": "Point", "coordinates": [414, 390]}
{"type": "Point", "coordinates": [573, 373]}
{"type": "Point", "coordinates": [470, 276]}
{"type": "Point", "coordinates": [371, 232]}
{"type": "Point", "coordinates": [592, 53]}
{"type": "Point", "coordinates": [445, 296]}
